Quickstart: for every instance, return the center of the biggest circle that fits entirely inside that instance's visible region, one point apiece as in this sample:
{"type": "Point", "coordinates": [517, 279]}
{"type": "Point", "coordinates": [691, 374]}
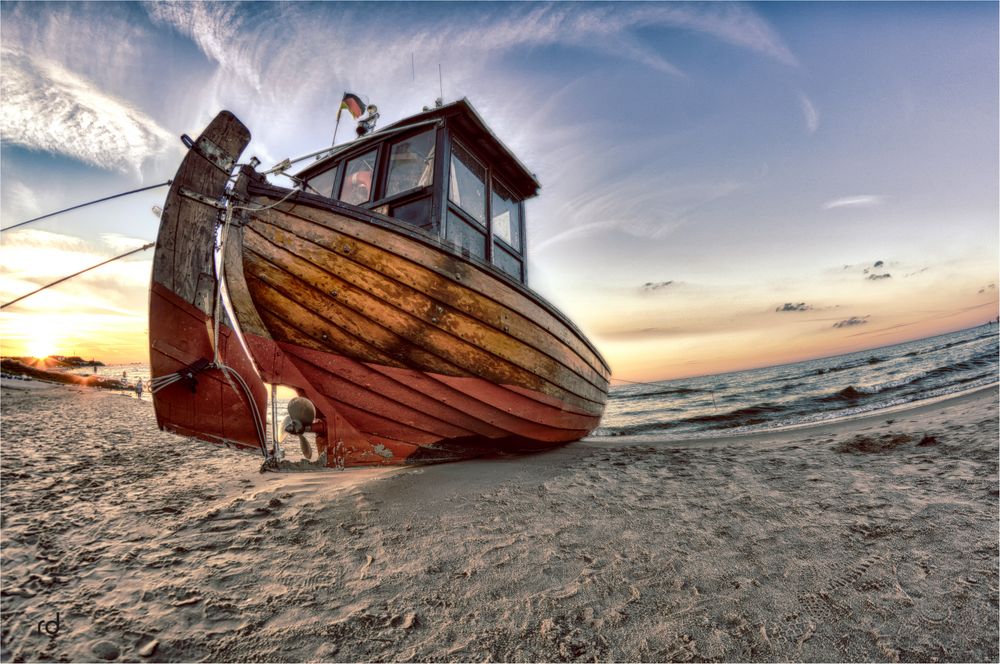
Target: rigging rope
{"type": "Point", "coordinates": [634, 382]}
{"type": "Point", "coordinates": [76, 274]}
{"type": "Point", "coordinates": [76, 207]}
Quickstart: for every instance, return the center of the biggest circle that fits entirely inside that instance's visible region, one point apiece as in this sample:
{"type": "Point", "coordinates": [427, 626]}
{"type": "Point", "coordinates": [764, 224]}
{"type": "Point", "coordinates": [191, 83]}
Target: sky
{"type": "Point", "coordinates": [724, 186]}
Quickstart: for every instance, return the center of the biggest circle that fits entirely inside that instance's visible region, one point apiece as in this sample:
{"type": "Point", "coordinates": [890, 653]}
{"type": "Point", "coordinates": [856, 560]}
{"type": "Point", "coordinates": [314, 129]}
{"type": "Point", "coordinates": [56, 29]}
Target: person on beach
{"type": "Point", "coordinates": [138, 389]}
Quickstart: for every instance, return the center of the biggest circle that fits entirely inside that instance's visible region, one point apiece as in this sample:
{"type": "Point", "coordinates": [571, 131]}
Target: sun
{"type": "Point", "coordinates": [42, 344]}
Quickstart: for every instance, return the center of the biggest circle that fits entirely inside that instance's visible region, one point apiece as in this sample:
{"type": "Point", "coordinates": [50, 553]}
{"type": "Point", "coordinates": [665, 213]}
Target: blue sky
{"type": "Point", "coordinates": [702, 165]}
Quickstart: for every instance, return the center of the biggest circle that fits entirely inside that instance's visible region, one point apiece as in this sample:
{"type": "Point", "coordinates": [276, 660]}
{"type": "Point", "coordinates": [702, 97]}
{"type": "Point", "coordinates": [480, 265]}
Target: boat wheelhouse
{"type": "Point", "coordinates": [472, 195]}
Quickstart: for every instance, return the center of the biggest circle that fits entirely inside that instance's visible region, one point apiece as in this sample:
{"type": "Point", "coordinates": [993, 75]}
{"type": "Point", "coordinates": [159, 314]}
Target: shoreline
{"type": "Point", "coordinates": [870, 540]}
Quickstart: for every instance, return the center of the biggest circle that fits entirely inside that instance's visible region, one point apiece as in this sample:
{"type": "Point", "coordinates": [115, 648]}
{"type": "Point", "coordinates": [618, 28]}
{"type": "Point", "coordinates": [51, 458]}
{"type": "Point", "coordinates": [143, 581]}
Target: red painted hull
{"type": "Point", "coordinates": [213, 410]}
{"type": "Point", "coordinates": [391, 415]}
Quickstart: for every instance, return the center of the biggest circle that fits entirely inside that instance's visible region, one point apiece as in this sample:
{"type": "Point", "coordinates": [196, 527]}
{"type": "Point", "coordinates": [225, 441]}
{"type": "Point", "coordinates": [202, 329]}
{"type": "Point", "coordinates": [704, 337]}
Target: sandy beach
{"type": "Point", "coordinates": [872, 539]}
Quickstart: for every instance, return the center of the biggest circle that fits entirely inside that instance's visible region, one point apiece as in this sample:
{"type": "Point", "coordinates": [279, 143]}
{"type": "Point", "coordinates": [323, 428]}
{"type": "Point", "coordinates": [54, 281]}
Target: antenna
{"type": "Point", "coordinates": [440, 85]}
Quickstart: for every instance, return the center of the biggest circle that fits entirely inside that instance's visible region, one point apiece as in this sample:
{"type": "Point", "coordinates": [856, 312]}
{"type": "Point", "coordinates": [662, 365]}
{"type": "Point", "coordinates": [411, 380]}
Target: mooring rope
{"type": "Point", "coordinates": [77, 207]}
{"type": "Point", "coordinates": [633, 382]}
{"type": "Point", "coordinates": [76, 274]}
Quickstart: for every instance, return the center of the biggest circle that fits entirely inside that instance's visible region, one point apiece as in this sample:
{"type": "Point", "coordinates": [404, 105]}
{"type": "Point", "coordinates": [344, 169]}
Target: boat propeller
{"type": "Point", "coordinates": [301, 415]}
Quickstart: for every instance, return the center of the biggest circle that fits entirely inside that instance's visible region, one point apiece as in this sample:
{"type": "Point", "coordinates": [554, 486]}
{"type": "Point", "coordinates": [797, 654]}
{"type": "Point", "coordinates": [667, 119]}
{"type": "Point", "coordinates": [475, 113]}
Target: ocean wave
{"type": "Point", "coordinates": [849, 393]}
{"type": "Point", "coordinates": [858, 392]}
{"type": "Point", "coordinates": [667, 392]}
{"type": "Point", "coordinates": [741, 416]}
{"type": "Point", "coordinates": [633, 429]}
{"type": "Point", "coordinates": [977, 362]}
{"type": "Point", "coordinates": [953, 344]}
{"type": "Point", "coordinates": [855, 392]}
{"type": "Point", "coordinates": [849, 365]}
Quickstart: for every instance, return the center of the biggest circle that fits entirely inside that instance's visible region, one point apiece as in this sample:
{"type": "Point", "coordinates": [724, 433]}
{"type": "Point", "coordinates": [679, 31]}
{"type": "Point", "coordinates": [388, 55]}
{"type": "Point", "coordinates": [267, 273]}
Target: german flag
{"type": "Point", "coordinates": [353, 104]}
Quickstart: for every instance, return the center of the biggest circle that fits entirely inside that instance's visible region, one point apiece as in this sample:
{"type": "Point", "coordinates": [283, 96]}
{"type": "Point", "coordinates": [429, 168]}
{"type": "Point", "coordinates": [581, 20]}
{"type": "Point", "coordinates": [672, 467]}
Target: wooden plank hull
{"type": "Point", "coordinates": [209, 404]}
{"type": "Point", "coordinates": [409, 350]}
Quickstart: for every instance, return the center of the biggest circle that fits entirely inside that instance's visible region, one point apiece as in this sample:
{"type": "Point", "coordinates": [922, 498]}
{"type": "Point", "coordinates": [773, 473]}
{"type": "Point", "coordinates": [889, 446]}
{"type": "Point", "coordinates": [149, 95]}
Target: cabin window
{"type": "Point", "coordinates": [507, 262]}
{"type": "Point", "coordinates": [411, 164]}
{"type": "Point", "coordinates": [416, 212]}
{"type": "Point", "coordinates": [506, 216]}
{"type": "Point", "coordinates": [469, 236]}
{"type": "Point", "coordinates": [322, 184]}
{"type": "Point", "coordinates": [357, 186]}
{"type": "Point", "coordinates": [468, 183]}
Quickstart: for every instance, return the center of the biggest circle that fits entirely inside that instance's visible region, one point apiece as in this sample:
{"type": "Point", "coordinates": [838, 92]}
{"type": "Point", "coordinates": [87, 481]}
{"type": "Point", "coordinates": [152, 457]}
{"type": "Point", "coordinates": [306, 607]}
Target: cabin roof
{"type": "Point", "coordinates": [464, 118]}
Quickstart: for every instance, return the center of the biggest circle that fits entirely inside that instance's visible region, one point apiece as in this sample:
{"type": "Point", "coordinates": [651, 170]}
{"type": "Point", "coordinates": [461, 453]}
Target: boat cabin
{"type": "Point", "coordinates": [442, 171]}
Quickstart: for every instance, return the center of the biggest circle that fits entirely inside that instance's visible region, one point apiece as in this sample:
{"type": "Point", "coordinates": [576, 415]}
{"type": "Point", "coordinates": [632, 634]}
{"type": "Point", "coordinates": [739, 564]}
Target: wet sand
{"type": "Point", "coordinates": [874, 539]}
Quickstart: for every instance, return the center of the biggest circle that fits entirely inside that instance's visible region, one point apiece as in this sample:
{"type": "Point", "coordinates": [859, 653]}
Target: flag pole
{"type": "Point", "coordinates": [335, 128]}
{"type": "Point", "coordinates": [337, 125]}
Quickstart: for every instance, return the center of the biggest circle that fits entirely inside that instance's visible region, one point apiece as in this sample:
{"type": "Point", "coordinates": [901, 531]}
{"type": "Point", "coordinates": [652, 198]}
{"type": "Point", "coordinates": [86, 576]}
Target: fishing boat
{"type": "Point", "coordinates": [387, 288]}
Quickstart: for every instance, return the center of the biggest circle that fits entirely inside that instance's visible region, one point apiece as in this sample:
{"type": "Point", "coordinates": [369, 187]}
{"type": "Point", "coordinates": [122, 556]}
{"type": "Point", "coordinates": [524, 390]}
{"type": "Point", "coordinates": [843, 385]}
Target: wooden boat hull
{"type": "Point", "coordinates": [419, 352]}
{"type": "Point", "coordinates": [206, 403]}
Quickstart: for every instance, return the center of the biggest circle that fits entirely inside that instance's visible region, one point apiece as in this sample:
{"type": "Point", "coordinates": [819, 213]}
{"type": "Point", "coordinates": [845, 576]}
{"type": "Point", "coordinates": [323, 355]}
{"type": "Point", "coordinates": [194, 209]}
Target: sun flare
{"type": "Point", "coordinates": [42, 344]}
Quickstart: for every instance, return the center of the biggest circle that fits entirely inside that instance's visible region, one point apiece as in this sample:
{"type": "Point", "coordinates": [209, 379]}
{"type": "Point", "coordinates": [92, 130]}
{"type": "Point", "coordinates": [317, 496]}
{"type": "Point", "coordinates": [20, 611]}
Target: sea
{"type": "Point", "coordinates": [804, 392]}
{"type": "Point", "coordinates": [773, 397]}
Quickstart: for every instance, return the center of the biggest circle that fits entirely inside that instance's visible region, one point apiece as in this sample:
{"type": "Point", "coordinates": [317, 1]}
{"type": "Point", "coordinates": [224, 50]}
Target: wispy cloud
{"type": "Point", "coordinates": [641, 333]}
{"type": "Point", "coordinates": [810, 113]}
{"type": "Point", "coordinates": [32, 258]}
{"type": "Point", "coordinates": [47, 107]}
{"type": "Point", "coordinates": [852, 322]}
{"type": "Point", "coordinates": [733, 23]}
{"type": "Point", "coordinates": [121, 243]}
{"type": "Point", "coordinates": [867, 200]}
{"type": "Point", "coordinates": [643, 206]}
{"type": "Point", "coordinates": [654, 286]}
{"type": "Point", "coordinates": [19, 201]}
{"type": "Point", "coordinates": [794, 306]}
{"type": "Point", "coordinates": [274, 56]}
{"type": "Point", "coordinates": [220, 31]}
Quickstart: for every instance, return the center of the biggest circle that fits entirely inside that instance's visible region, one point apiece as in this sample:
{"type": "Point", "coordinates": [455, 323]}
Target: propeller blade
{"type": "Point", "coordinates": [284, 429]}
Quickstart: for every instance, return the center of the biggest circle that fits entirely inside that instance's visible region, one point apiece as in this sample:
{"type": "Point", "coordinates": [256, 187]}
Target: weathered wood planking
{"type": "Point", "coordinates": [183, 261]}
{"type": "Point", "coordinates": [335, 251]}
{"type": "Point", "coordinates": [394, 331]}
{"type": "Point", "coordinates": [356, 283]}
{"type": "Point", "coordinates": [293, 305]}
{"type": "Point", "coordinates": [236, 286]}
{"type": "Point", "coordinates": [467, 285]}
